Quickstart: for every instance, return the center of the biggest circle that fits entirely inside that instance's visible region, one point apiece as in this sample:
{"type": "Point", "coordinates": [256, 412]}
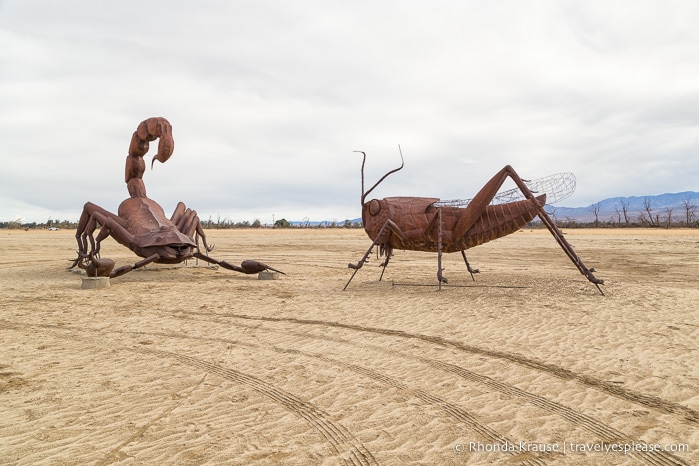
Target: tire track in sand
{"type": "Point", "coordinates": [350, 449]}
{"type": "Point", "coordinates": [140, 431]}
{"type": "Point", "coordinates": [606, 433]}
{"type": "Point", "coordinates": [347, 447]}
{"type": "Point", "coordinates": [336, 435]}
{"type": "Point", "coordinates": [489, 435]}
{"type": "Point", "coordinates": [649, 401]}
{"type": "Point", "coordinates": [330, 432]}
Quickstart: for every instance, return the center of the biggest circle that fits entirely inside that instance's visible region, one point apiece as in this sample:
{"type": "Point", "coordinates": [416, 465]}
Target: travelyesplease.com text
{"type": "Point", "coordinates": [570, 447]}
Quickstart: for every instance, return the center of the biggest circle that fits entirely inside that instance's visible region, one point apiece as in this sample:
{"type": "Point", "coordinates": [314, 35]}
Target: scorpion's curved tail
{"type": "Point", "coordinates": [150, 130]}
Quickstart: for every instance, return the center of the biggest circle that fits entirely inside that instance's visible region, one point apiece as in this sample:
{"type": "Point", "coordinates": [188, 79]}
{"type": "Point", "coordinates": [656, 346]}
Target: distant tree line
{"type": "Point", "coordinates": [683, 217]}
{"type": "Point", "coordinates": [222, 224]}
{"type": "Point", "coordinates": [281, 223]}
{"type": "Point", "coordinates": [19, 224]}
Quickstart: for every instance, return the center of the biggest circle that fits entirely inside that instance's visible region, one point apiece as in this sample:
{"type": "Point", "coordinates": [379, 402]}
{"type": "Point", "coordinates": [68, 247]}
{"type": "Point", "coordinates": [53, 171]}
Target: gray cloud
{"type": "Point", "coordinates": [269, 99]}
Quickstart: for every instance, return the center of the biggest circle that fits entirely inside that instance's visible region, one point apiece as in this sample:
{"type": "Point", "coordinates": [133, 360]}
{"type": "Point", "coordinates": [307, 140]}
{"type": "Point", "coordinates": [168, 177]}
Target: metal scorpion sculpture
{"type": "Point", "coordinates": [431, 225]}
{"type": "Point", "coordinates": [141, 224]}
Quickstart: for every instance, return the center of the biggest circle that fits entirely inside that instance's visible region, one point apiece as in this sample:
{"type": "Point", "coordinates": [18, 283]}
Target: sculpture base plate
{"type": "Point", "coordinates": [268, 275]}
{"type": "Point", "coordinates": [93, 283]}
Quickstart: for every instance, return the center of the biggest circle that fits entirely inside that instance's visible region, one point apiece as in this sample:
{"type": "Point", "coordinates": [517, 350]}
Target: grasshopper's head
{"type": "Point", "coordinates": [374, 216]}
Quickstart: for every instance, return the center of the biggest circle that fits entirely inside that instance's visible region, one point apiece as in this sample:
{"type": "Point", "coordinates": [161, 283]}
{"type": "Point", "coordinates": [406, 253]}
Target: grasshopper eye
{"type": "Point", "coordinates": [374, 207]}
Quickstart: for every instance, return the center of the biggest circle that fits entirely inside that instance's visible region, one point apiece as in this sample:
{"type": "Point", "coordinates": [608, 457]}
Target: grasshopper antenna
{"type": "Point", "coordinates": [402, 163]}
{"type": "Point", "coordinates": [363, 162]}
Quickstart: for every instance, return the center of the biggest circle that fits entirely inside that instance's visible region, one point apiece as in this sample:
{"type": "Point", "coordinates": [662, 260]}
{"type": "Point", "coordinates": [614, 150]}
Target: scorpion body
{"type": "Point", "coordinates": [141, 224]}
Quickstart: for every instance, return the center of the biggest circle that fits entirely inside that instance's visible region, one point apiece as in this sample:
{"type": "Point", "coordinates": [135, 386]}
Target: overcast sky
{"type": "Point", "coordinates": [269, 99]}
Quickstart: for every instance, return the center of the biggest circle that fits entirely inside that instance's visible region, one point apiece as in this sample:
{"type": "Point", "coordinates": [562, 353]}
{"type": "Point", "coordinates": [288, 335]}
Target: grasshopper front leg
{"type": "Point", "coordinates": [388, 226]}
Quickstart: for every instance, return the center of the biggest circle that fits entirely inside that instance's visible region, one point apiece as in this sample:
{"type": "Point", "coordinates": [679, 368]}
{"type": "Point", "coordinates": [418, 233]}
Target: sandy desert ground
{"type": "Point", "coordinates": [190, 364]}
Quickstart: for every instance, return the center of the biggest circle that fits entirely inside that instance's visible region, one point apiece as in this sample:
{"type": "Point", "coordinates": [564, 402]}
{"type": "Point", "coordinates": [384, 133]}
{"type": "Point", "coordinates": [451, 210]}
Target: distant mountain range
{"type": "Point", "coordinates": [609, 209]}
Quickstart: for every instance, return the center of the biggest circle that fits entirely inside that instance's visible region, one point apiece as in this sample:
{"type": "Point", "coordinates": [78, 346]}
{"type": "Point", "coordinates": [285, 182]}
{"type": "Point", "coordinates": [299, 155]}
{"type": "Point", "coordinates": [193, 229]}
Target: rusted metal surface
{"type": "Point", "coordinates": [431, 225]}
{"type": "Point", "coordinates": [141, 224]}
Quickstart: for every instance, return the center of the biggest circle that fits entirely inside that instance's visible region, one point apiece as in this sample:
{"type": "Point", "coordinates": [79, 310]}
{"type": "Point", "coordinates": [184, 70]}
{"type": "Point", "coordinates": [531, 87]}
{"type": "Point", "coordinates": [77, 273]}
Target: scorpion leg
{"type": "Point", "coordinates": [86, 227]}
{"type": "Point", "coordinates": [84, 258]}
{"type": "Point", "coordinates": [177, 214]}
{"type": "Point", "coordinates": [199, 232]}
{"type": "Point", "coordinates": [128, 268]}
{"type": "Point", "coordinates": [187, 221]}
{"type": "Point", "coordinates": [202, 235]}
{"type": "Point", "coordinates": [80, 235]}
{"type": "Point", "coordinates": [468, 266]}
{"type": "Point", "coordinates": [92, 215]}
{"type": "Point", "coordinates": [111, 226]}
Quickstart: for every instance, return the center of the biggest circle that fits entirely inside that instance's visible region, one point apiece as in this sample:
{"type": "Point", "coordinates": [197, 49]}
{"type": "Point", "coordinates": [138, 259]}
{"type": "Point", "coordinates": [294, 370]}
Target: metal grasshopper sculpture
{"type": "Point", "coordinates": [141, 224]}
{"type": "Point", "coordinates": [428, 224]}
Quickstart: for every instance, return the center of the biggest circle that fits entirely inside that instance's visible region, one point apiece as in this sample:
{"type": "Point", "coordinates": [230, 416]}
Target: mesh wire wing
{"type": "Point", "coordinates": [556, 187]}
